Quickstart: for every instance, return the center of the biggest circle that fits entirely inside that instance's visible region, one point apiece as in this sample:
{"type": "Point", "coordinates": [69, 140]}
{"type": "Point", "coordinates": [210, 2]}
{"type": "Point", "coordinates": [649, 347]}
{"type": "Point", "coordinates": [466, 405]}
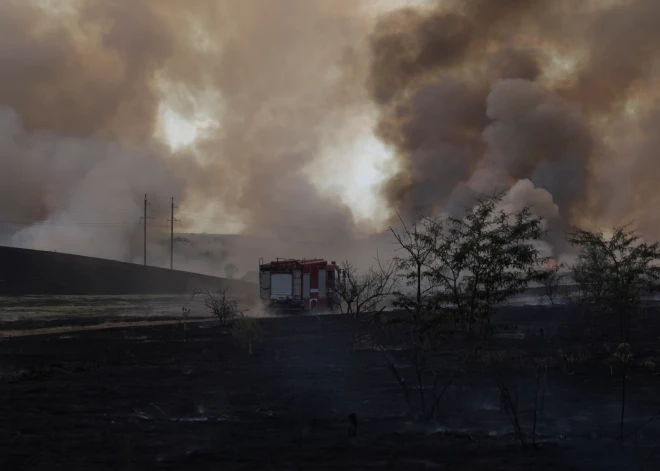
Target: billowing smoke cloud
{"type": "Point", "coordinates": [554, 100]}
{"type": "Point", "coordinates": [81, 90]}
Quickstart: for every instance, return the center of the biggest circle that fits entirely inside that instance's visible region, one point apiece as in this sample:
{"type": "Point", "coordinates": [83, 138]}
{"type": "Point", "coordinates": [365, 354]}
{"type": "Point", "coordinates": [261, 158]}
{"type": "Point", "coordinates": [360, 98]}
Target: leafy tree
{"type": "Point", "coordinates": [463, 267]}
{"type": "Point", "coordinates": [589, 274]}
{"type": "Point", "coordinates": [614, 272]}
{"type": "Point", "coordinates": [483, 259]}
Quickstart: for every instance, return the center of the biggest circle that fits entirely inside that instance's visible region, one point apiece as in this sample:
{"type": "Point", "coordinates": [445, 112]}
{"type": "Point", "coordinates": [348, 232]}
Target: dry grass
{"type": "Point", "coordinates": [102, 326]}
{"type": "Point", "coordinates": [509, 356]}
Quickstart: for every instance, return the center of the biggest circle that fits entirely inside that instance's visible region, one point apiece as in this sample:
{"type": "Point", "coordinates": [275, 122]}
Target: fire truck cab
{"type": "Point", "coordinates": [305, 285]}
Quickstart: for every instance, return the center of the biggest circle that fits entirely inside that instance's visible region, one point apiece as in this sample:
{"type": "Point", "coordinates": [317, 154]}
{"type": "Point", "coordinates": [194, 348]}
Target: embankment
{"type": "Point", "coordinates": [35, 272]}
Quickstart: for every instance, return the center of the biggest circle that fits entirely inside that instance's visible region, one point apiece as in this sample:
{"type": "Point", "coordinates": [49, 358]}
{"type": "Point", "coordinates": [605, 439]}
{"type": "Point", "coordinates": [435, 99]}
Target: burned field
{"type": "Point", "coordinates": [136, 396]}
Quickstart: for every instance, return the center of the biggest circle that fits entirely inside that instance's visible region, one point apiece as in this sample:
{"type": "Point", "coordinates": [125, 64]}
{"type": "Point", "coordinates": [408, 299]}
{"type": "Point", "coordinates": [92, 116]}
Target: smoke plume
{"type": "Point", "coordinates": [553, 100]}
{"type": "Point", "coordinates": [81, 95]}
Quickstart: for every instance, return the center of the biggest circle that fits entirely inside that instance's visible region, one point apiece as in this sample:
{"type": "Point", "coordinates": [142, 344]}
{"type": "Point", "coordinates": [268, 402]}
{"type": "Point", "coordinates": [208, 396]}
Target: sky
{"type": "Point", "coordinates": [321, 119]}
{"type": "Point", "coordinates": [354, 181]}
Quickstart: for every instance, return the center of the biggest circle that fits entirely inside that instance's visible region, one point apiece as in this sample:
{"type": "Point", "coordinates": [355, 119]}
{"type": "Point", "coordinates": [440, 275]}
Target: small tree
{"type": "Point", "coordinates": [414, 263]}
{"type": "Point", "coordinates": [222, 304]}
{"type": "Point", "coordinates": [416, 246]}
{"type": "Point", "coordinates": [589, 273]}
{"type": "Point", "coordinates": [552, 277]}
{"type": "Point", "coordinates": [613, 273]}
{"type": "Point", "coordinates": [362, 293]}
{"type": "Point", "coordinates": [483, 259]}
{"type": "Point", "coordinates": [246, 331]}
{"type": "Point", "coordinates": [463, 267]}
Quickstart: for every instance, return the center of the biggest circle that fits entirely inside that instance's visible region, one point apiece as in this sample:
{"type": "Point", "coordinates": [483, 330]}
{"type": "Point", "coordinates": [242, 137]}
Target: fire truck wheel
{"type": "Point", "coordinates": [313, 305]}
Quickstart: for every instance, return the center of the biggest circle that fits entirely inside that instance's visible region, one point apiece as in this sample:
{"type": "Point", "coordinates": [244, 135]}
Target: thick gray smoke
{"type": "Point", "coordinates": [77, 195]}
{"type": "Point", "coordinates": [81, 90]}
{"type": "Point", "coordinates": [553, 99]}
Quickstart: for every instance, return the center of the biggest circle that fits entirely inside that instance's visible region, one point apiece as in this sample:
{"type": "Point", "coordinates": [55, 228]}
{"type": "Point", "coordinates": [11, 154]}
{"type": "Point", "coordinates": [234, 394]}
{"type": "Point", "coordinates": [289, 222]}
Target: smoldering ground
{"type": "Point", "coordinates": [551, 99]}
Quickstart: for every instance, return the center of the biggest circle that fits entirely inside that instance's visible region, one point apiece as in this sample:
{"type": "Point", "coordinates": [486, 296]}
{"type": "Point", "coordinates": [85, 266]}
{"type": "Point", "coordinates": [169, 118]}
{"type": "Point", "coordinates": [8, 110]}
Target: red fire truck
{"type": "Point", "coordinates": [306, 285]}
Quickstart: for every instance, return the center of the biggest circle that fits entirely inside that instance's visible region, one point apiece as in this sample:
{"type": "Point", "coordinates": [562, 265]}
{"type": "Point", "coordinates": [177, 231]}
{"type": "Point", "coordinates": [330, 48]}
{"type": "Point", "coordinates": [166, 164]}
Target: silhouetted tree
{"type": "Point", "coordinates": [614, 272]}
{"type": "Point", "coordinates": [552, 277]}
{"type": "Point", "coordinates": [222, 304]}
{"type": "Point", "coordinates": [483, 259]}
{"type": "Point", "coordinates": [360, 293]}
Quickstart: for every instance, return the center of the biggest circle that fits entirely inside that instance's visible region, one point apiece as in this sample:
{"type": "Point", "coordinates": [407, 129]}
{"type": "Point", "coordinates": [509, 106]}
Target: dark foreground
{"type": "Point", "coordinates": [140, 398]}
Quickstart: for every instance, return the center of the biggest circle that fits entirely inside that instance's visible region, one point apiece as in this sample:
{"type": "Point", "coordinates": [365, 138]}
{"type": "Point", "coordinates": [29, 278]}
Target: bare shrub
{"type": "Point", "coordinates": [414, 267]}
{"type": "Point", "coordinates": [423, 385]}
{"type": "Point", "coordinates": [184, 317]}
{"type": "Point", "coordinates": [509, 404]}
{"type": "Point", "coordinates": [246, 331]}
{"type": "Point", "coordinates": [625, 357]}
{"type": "Point", "coordinates": [540, 391]}
{"type": "Point", "coordinates": [552, 278]}
{"type": "Point", "coordinates": [222, 304]}
{"type": "Point", "coordinates": [362, 293]}
{"type": "Point", "coordinates": [414, 264]}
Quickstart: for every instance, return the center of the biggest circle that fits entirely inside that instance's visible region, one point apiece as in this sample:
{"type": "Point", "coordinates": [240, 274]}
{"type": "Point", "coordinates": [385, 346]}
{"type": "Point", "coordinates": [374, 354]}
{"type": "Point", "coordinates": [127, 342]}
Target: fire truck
{"type": "Point", "coordinates": [300, 285]}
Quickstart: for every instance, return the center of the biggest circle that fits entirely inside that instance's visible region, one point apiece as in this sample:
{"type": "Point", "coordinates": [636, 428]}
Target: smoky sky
{"type": "Point", "coordinates": [556, 96]}
{"type": "Point", "coordinates": [553, 99]}
{"type": "Point", "coordinates": [81, 87]}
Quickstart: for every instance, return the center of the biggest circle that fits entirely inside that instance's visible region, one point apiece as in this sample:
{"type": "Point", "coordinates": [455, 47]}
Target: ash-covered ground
{"type": "Point", "coordinates": [112, 385]}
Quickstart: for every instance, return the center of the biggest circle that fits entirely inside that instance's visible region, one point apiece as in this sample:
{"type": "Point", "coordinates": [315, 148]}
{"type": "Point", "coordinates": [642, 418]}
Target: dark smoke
{"type": "Point", "coordinates": [536, 96]}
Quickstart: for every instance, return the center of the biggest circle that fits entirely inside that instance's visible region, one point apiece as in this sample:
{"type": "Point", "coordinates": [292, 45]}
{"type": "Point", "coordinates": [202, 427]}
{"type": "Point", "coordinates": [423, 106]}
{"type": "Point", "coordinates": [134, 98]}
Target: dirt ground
{"type": "Point", "coordinates": [128, 394]}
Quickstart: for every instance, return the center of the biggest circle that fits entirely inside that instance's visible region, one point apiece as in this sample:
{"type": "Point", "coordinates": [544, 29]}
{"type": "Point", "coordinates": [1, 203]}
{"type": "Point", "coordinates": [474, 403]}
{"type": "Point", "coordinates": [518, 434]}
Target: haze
{"type": "Point", "coordinates": [319, 120]}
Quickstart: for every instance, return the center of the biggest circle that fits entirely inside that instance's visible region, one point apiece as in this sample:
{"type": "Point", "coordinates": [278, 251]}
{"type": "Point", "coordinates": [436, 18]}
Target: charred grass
{"type": "Point", "coordinates": [138, 397]}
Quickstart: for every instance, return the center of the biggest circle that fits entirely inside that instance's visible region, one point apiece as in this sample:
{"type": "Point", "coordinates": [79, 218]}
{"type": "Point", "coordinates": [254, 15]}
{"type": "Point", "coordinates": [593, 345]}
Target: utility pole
{"type": "Point", "coordinates": [172, 220]}
{"type": "Point", "coordinates": [145, 229]}
{"type": "Point", "coordinates": [144, 221]}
